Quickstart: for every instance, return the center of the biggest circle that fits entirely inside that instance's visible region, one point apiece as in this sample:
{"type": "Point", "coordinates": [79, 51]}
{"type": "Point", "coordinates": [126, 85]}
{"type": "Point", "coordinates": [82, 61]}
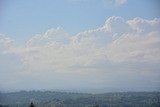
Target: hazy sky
{"type": "Point", "coordinates": [79, 44]}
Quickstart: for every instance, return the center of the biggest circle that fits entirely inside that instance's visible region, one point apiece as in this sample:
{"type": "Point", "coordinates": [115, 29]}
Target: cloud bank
{"type": "Point", "coordinates": [120, 54]}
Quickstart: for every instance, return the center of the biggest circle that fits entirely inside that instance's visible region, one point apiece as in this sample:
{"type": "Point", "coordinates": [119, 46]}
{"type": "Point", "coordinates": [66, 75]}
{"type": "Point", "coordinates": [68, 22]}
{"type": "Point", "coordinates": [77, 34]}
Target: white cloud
{"type": "Point", "coordinates": [117, 41]}
{"type": "Point", "coordinates": [51, 36]}
{"type": "Point", "coordinates": [143, 25]}
{"type": "Point", "coordinates": [135, 47]}
{"type": "Point", "coordinates": [119, 47]}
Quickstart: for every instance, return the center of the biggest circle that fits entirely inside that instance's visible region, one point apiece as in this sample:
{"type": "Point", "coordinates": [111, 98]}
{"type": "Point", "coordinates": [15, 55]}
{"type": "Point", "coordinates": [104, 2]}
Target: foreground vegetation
{"type": "Point", "coordinates": [65, 99]}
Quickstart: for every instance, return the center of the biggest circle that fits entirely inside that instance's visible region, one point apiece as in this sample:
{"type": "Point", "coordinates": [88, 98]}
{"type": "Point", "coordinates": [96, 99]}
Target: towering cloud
{"type": "Point", "coordinates": [116, 50]}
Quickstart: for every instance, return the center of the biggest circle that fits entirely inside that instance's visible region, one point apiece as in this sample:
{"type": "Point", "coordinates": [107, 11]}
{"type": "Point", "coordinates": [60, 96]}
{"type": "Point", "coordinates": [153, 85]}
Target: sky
{"type": "Point", "coordinates": [112, 45]}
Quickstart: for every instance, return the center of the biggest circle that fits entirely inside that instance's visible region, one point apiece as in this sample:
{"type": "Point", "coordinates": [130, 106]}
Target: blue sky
{"type": "Point", "coordinates": [22, 19]}
{"type": "Point", "coordinates": [80, 44]}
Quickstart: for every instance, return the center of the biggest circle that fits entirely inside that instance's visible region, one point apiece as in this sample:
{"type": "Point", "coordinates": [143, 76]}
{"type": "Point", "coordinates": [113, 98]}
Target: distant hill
{"type": "Point", "coordinates": [68, 99]}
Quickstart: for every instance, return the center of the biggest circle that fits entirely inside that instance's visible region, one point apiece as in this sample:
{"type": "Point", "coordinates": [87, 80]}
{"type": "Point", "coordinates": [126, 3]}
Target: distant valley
{"type": "Point", "coordinates": [70, 99]}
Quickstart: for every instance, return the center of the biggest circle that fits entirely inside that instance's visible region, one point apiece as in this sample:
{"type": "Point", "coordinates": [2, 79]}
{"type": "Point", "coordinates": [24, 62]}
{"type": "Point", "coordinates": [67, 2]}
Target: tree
{"type": "Point", "coordinates": [32, 105]}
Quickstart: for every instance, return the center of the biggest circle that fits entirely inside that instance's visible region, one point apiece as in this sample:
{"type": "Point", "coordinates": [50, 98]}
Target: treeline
{"type": "Point", "coordinates": [64, 99]}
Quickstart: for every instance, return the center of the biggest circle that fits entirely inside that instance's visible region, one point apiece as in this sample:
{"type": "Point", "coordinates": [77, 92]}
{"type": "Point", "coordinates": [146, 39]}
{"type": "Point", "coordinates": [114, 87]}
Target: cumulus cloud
{"type": "Point", "coordinates": [116, 41]}
{"type": "Point", "coordinates": [135, 48]}
{"type": "Point", "coordinates": [52, 35]}
{"type": "Point", "coordinates": [119, 47]}
{"type": "Point", "coordinates": [143, 25]}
